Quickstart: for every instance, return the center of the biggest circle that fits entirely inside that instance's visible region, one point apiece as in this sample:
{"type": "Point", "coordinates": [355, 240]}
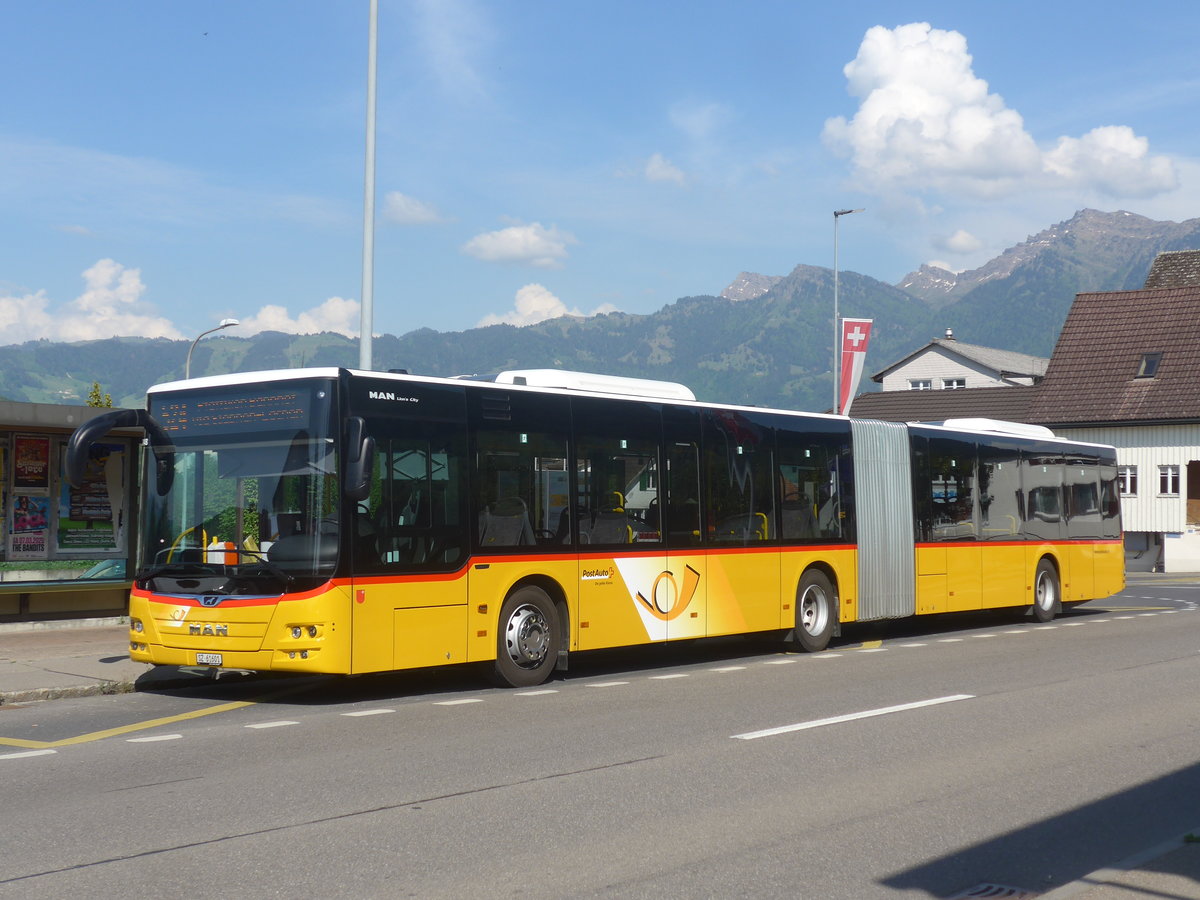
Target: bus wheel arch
{"type": "Point", "coordinates": [816, 609]}
{"type": "Point", "coordinates": [1047, 590]}
{"type": "Point", "coordinates": [530, 634]}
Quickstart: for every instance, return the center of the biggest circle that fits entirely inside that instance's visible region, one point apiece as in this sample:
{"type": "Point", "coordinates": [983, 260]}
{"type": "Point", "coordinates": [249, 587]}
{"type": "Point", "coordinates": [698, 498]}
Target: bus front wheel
{"type": "Point", "coordinates": [816, 607]}
{"type": "Point", "coordinates": [528, 639]}
{"type": "Point", "coordinates": [1046, 594]}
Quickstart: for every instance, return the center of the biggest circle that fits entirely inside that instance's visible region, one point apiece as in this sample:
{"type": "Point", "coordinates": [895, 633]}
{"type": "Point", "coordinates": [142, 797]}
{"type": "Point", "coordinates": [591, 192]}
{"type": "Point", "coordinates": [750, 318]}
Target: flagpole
{"type": "Point", "coordinates": [366, 325]}
{"type": "Point", "coordinates": [837, 328]}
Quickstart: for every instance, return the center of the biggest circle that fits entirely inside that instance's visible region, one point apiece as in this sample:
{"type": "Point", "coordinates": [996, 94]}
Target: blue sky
{"type": "Point", "coordinates": [164, 165]}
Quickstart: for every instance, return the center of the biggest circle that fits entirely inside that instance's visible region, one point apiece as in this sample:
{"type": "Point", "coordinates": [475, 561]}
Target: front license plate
{"type": "Point", "coordinates": [208, 659]}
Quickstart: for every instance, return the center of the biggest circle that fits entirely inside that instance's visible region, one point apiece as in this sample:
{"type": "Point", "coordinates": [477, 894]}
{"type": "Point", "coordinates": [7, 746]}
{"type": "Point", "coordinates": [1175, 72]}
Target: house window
{"type": "Point", "coordinates": [1148, 367]}
{"type": "Point", "coordinates": [1168, 481]}
{"type": "Point", "coordinates": [953, 384]}
{"type": "Point", "coordinates": [920, 384]}
{"type": "Point", "coordinates": [1127, 479]}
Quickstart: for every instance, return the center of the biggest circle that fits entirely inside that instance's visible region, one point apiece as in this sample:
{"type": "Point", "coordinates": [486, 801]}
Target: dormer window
{"type": "Point", "coordinates": [1148, 367]}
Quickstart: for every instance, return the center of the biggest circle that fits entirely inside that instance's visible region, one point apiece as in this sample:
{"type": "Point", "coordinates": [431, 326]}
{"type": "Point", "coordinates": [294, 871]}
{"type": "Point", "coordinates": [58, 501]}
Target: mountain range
{"type": "Point", "coordinates": [766, 340]}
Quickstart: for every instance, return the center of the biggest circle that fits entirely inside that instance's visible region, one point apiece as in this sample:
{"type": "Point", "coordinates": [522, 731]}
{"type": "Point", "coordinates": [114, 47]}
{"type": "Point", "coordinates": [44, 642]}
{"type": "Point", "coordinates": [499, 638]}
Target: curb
{"type": "Point", "coordinates": [1110, 876]}
{"type": "Point", "coordinates": [34, 695]}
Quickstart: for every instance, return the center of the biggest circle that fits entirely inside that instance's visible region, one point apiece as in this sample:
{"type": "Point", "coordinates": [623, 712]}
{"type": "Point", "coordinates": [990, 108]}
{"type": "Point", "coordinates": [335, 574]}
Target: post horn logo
{"type": "Point", "coordinates": [668, 600]}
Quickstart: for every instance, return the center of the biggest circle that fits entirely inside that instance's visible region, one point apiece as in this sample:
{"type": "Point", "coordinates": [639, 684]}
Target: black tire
{"type": "Point", "coordinates": [1047, 595]}
{"type": "Point", "coordinates": [816, 611]}
{"type": "Point", "coordinates": [528, 639]}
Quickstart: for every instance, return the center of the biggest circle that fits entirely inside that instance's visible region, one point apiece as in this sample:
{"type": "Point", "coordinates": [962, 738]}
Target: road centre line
{"type": "Point", "coordinates": [278, 724]}
{"type": "Point", "coordinates": [685, 674]}
{"type": "Point", "coordinates": [367, 712]}
{"type": "Point", "coordinates": [536, 693]}
{"type": "Point", "coordinates": [154, 739]}
{"type": "Point", "coordinates": [124, 729]}
{"type": "Point", "coordinates": [457, 702]}
{"type": "Point", "coordinates": [850, 717]}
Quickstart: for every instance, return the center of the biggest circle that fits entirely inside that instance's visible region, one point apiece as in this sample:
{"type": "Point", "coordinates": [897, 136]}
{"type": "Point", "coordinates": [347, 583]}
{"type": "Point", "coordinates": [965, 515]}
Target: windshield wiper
{"type": "Point", "coordinates": [175, 568]}
{"type": "Point", "coordinates": [257, 557]}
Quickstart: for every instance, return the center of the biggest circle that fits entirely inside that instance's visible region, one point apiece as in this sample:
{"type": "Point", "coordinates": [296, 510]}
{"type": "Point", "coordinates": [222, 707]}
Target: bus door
{"type": "Point", "coordinates": [410, 543]}
{"type": "Point", "coordinates": [739, 524]}
{"type": "Point", "coordinates": [624, 585]}
{"type": "Point", "coordinates": [953, 524]}
{"type": "Point", "coordinates": [682, 595]}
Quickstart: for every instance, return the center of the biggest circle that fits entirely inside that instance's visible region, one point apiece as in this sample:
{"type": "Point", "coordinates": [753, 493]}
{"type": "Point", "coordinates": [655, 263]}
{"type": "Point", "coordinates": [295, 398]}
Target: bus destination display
{"type": "Point", "coordinates": [232, 412]}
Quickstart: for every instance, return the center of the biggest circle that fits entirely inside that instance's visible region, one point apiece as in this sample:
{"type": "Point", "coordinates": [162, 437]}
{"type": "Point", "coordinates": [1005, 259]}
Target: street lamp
{"type": "Point", "coordinates": [187, 368]}
{"type": "Point", "coordinates": [837, 330]}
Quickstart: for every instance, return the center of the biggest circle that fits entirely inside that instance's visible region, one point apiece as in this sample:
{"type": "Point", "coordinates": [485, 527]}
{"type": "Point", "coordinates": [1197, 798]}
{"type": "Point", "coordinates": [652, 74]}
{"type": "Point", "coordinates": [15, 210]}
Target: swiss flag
{"type": "Point", "coordinates": [855, 334]}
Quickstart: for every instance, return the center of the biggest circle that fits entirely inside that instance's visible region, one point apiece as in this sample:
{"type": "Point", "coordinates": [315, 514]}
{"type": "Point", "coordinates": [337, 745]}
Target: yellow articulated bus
{"type": "Point", "coordinates": [327, 520]}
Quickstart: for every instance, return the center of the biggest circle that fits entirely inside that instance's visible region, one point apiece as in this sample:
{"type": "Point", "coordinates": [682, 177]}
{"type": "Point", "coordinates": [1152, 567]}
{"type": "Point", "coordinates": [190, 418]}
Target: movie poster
{"type": "Point", "coordinates": [31, 463]}
{"type": "Point", "coordinates": [29, 528]}
{"type": "Point", "coordinates": [91, 516]}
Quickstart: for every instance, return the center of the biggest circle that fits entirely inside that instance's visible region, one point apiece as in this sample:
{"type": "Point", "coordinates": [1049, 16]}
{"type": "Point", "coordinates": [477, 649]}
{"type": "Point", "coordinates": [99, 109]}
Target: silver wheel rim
{"type": "Point", "coordinates": [813, 614]}
{"type": "Point", "coordinates": [527, 637]}
{"type": "Point", "coordinates": [1044, 596]}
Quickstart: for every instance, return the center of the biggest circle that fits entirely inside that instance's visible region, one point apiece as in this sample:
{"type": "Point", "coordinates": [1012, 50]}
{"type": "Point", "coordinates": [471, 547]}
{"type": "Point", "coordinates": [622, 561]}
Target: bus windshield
{"type": "Point", "coordinates": [241, 505]}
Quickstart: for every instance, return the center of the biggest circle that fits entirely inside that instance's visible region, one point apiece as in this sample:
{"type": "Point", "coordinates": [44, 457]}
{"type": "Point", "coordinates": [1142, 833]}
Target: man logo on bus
{"type": "Point", "coordinates": [668, 600]}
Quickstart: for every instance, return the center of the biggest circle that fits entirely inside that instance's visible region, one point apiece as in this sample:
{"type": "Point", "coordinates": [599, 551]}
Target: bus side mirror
{"type": "Point", "coordinates": [360, 458]}
{"type": "Point", "coordinates": [79, 447]}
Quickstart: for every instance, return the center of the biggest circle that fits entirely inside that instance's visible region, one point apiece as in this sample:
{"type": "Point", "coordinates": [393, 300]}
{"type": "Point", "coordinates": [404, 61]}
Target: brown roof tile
{"type": "Point", "coordinates": [1010, 404]}
{"type": "Point", "coordinates": [1092, 374]}
{"type": "Point", "coordinates": [1174, 268]}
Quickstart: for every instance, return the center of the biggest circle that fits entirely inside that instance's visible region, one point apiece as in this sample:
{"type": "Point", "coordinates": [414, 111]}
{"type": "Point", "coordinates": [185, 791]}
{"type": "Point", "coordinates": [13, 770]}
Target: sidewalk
{"type": "Point", "coordinates": [46, 661]}
{"type": "Point", "coordinates": [74, 658]}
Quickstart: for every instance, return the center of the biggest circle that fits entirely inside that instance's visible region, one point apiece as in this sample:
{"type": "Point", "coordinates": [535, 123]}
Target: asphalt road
{"type": "Point", "coordinates": [923, 760]}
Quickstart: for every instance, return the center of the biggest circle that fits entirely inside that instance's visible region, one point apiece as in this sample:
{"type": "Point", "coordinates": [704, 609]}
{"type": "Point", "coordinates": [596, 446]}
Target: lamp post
{"type": "Point", "coordinates": [187, 367]}
{"type": "Point", "coordinates": [837, 330]}
{"type": "Point", "coordinates": [367, 310]}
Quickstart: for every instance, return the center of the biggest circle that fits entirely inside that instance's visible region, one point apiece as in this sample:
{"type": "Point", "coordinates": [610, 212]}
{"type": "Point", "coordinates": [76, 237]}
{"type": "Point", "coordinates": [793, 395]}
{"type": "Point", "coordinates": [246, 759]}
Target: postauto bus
{"type": "Point", "coordinates": [328, 520]}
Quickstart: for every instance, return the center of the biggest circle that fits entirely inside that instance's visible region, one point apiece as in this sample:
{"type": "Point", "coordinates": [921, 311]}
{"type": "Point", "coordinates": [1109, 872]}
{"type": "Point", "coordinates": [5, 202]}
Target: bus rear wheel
{"type": "Point", "coordinates": [1046, 593]}
{"type": "Point", "coordinates": [528, 639]}
{"type": "Point", "coordinates": [816, 607]}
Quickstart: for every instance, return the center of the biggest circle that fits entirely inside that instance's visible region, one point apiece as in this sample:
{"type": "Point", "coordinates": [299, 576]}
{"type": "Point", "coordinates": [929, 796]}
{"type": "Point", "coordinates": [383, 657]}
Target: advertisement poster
{"type": "Point", "coordinates": [91, 516]}
{"type": "Point", "coordinates": [31, 463]}
{"type": "Point", "coordinates": [30, 527]}
{"type": "Point", "coordinates": [3, 498]}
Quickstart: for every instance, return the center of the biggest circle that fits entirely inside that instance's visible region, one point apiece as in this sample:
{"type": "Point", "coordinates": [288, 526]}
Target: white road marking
{"type": "Point", "coordinates": [780, 662]}
{"type": "Point", "coordinates": [154, 739]}
{"type": "Point", "coordinates": [368, 712]}
{"type": "Point", "coordinates": [729, 669]}
{"type": "Point", "coordinates": [457, 702]}
{"type": "Point", "coordinates": [668, 677]}
{"type": "Point", "coordinates": [25, 754]}
{"type": "Point", "coordinates": [604, 684]}
{"type": "Point", "coordinates": [279, 724]}
{"type": "Point", "coordinates": [850, 717]}
{"type": "Point", "coordinates": [540, 693]}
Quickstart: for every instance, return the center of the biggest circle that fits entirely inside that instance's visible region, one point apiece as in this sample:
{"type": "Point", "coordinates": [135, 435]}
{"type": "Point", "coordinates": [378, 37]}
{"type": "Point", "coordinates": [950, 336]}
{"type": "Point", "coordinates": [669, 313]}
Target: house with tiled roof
{"type": "Point", "coordinates": [949, 364]}
{"type": "Point", "coordinates": [1125, 372]}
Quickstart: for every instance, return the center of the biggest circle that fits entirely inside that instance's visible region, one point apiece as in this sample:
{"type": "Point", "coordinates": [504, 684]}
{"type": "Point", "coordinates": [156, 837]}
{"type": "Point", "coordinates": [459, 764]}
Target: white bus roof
{"type": "Point", "coordinates": [597, 384]}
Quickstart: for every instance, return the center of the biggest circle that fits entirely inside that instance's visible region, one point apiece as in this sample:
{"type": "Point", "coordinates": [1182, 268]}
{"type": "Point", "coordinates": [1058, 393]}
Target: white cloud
{"type": "Point", "coordinates": [335, 314]}
{"type": "Point", "coordinates": [698, 120]}
{"type": "Point", "coordinates": [535, 303]}
{"type": "Point", "coordinates": [401, 209]}
{"type": "Point", "coordinates": [1112, 159]}
{"type": "Point", "coordinates": [959, 242]}
{"type": "Point", "coordinates": [454, 35]}
{"type": "Point", "coordinates": [660, 169]}
{"type": "Point", "coordinates": [531, 244]}
{"type": "Point", "coordinates": [110, 306]}
{"type": "Point", "coordinates": [926, 121]}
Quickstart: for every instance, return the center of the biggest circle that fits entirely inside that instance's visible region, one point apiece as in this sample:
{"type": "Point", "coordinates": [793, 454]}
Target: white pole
{"type": "Point", "coordinates": [837, 328]}
{"type": "Point", "coordinates": [367, 312]}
